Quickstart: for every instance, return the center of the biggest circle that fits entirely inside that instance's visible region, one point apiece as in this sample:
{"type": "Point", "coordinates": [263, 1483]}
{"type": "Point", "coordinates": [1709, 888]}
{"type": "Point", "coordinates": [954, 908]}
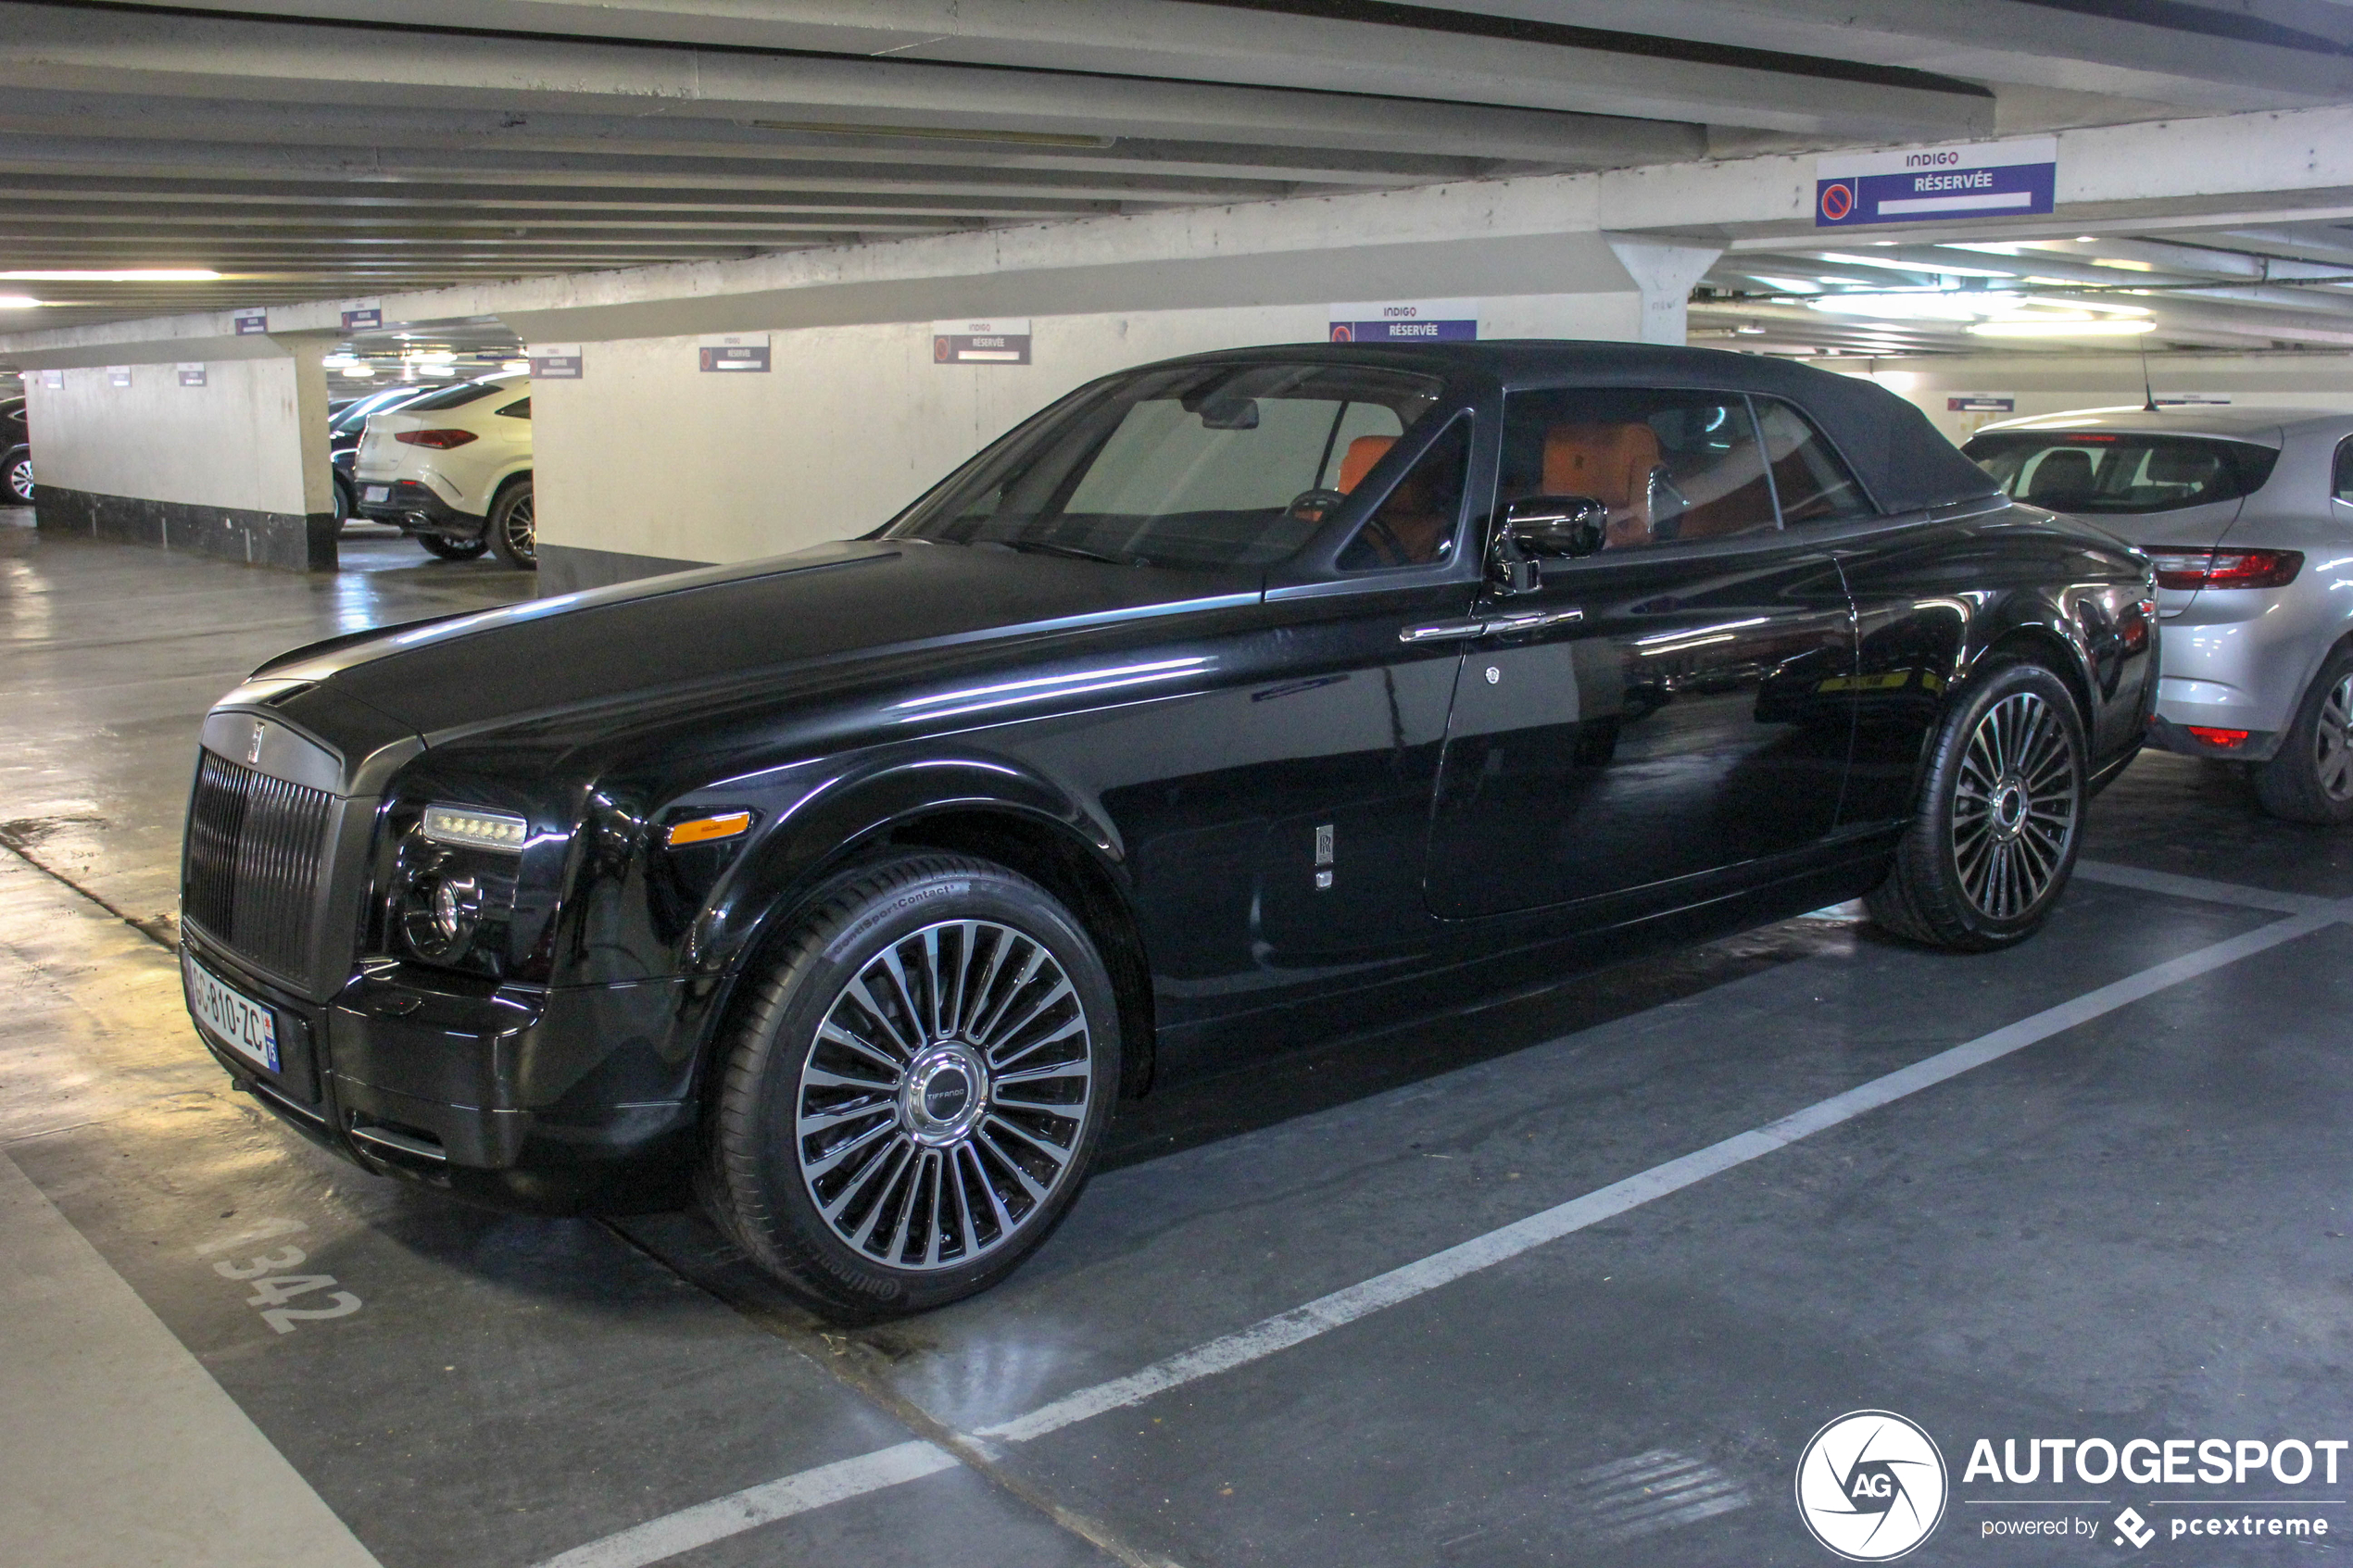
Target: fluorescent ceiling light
{"type": "Point", "coordinates": [148, 275]}
{"type": "Point", "coordinates": [430, 356]}
{"type": "Point", "coordinates": [514, 365]}
{"type": "Point", "coordinates": [2122, 266]}
{"type": "Point", "coordinates": [2038, 326]}
{"type": "Point", "coordinates": [1922, 305]}
{"type": "Point", "coordinates": [359, 373]}
{"type": "Point", "coordinates": [1787, 285]}
{"type": "Point", "coordinates": [1912, 266]}
{"type": "Point", "coordinates": [20, 302]}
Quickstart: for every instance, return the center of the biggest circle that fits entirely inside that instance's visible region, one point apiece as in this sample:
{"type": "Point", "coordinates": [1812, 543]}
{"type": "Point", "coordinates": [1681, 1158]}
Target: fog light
{"type": "Point", "coordinates": [455, 903]}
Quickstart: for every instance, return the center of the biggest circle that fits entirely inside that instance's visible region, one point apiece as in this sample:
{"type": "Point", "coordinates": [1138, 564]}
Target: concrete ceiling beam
{"type": "Point", "coordinates": [2221, 69]}
{"type": "Point", "coordinates": [124, 159]}
{"type": "Point", "coordinates": [680, 134]}
{"type": "Point", "coordinates": [1192, 48]}
{"type": "Point", "coordinates": [178, 55]}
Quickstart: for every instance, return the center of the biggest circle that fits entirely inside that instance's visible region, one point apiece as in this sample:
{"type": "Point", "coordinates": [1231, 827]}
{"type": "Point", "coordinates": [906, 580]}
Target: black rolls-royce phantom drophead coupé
{"type": "Point", "coordinates": [1229, 701]}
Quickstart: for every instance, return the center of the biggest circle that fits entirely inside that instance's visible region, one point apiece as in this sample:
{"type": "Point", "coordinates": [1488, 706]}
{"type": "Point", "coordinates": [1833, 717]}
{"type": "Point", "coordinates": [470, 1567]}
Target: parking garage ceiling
{"type": "Point", "coordinates": [306, 149]}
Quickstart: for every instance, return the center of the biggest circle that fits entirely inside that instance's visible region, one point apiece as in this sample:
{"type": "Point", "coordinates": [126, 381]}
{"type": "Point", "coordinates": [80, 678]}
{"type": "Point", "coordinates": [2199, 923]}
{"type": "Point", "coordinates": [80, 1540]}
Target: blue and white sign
{"type": "Point", "coordinates": [252, 322]}
{"type": "Point", "coordinates": [1000, 342]}
{"type": "Point", "coordinates": [1405, 320]}
{"type": "Point", "coordinates": [363, 318]}
{"type": "Point", "coordinates": [734, 351]}
{"type": "Point", "coordinates": [1922, 184]}
{"type": "Point", "coordinates": [554, 361]}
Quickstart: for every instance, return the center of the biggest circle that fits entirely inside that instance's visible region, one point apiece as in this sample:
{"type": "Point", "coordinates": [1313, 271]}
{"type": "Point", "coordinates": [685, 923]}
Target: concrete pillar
{"type": "Point", "coordinates": [1664, 272]}
{"type": "Point", "coordinates": [222, 457]}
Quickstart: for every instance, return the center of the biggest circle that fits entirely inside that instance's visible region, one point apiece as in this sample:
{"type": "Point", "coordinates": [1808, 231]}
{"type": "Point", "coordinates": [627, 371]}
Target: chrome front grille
{"type": "Point", "coordinates": [257, 849]}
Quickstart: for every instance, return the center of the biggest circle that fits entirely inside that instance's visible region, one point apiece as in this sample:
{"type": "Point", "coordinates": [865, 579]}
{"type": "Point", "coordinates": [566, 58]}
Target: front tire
{"type": "Point", "coordinates": [513, 529]}
{"type": "Point", "coordinates": [2310, 777]}
{"type": "Point", "coordinates": [914, 1091]}
{"type": "Point", "coordinates": [20, 478]}
{"type": "Point", "coordinates": [2000, 818]}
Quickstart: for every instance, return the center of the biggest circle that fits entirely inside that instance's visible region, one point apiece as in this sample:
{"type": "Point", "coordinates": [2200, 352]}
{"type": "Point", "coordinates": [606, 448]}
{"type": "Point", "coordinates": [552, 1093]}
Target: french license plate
{"type": "Point", "coordinates": [376, 492]}
{"type": "Point", "coordinates": [230, 1016]}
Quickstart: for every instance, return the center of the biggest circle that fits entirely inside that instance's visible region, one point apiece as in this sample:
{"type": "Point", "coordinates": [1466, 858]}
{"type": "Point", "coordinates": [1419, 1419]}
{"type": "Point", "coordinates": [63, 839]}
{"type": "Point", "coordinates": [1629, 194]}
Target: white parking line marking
{"type": "Point", "coordinates": [2199, 888]}
{"type": "Point", "coordinates": [749, 1508]}
{"type": "Point", "coordinates": [652, 1542]}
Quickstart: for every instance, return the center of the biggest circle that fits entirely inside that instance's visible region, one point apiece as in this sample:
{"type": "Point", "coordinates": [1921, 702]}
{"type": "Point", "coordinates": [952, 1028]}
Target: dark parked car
{"type": "Point", "coordinates": [1228, 702]}
{"type": "Point", "coordinates": [16, 454]}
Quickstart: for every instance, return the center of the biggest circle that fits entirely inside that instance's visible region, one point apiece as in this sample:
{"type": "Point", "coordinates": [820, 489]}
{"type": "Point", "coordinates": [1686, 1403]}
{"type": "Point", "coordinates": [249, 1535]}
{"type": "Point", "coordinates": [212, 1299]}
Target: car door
{"type": "Point", "coordinates": [1664, 708]}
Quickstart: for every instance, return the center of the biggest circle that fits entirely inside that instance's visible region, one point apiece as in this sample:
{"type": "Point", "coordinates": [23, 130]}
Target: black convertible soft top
{"type": "Point", "coordinates": [1903, 460]}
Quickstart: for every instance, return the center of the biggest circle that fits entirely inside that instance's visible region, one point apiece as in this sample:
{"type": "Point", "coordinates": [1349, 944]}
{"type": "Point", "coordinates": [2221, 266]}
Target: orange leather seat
{"type": "Point", "coordinates": [1358, 460]}
{"type": "Point", "coordinates": [1610, 462]}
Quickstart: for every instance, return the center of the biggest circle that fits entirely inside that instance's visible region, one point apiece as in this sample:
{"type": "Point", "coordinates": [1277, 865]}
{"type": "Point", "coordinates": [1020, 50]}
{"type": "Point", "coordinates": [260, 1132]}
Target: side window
{"type": "Point", "coordinates": [520, 409]}
{"type": "Point", "coordinates": [1667, 465]}
{"type": "Point", "coordinates": [1415, 523]}
{"type": "Point", "coordinates": [2341, 484]}
{"type": "Point", "coordinates": [1813, 484]}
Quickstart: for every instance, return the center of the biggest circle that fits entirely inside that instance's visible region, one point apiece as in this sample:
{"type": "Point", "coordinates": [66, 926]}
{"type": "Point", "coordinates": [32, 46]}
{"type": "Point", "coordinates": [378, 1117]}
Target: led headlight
{"type": "Point", "coordinates": [471, 829]}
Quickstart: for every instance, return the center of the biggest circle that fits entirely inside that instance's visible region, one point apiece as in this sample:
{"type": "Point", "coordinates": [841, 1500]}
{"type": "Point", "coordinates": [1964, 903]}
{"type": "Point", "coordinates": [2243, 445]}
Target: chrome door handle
{"type": "Point", "coordinates": [1530, 620]}
{"type": "Point", "coordinates": [1488, 626]}
{"type": "Point", "coordinates": [1443, 632]}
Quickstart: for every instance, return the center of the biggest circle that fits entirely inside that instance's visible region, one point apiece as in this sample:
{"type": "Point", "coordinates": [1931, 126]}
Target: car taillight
{"type": "Point", "coordinates": [442, 440]}
{"type": "Point", "coordinates": [2224, 739]}
{"type": "Point", "coordinates": [2226, 568]}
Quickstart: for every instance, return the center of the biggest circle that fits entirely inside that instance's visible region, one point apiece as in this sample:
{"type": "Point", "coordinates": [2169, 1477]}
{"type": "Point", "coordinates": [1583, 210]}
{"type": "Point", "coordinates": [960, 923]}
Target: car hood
{"type": "Point", "coordinates": [727, 625]}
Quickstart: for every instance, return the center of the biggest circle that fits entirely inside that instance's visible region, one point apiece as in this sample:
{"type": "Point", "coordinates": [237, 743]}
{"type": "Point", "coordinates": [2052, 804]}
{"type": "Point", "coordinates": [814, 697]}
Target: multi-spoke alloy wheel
{"type": "Point", "coordinates": [914, 1085]}
{"type": "Point", "coordinates": [1994, 834]}
{"type": "Point", "coordinates": [942, 1104]}
{"type": "Point", "coordinates": [2309, 778]}
{"type": "Point", "coordinates": [2332, 760]}
{"type": "Point", "coordinates": [513, 527]}
{"type": "Point", "coordinates": [2014, 810]}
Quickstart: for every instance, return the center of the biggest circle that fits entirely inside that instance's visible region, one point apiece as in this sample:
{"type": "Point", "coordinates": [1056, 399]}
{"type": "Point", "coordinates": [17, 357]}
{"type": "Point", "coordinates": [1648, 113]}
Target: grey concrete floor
{"type": "Point", "coordinates": [2136, 1227]}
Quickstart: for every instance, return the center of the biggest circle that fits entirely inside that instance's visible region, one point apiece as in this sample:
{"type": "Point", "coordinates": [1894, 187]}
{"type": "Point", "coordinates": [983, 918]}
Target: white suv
{"type": "Point", "coordinates": [453, 471]}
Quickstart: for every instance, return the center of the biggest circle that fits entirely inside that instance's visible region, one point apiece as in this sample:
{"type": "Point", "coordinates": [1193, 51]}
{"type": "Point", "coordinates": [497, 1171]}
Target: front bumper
{"type": "Point", "coordinates": [550, 1101]}
{"type": "Point", "coordinates": [415, 507]}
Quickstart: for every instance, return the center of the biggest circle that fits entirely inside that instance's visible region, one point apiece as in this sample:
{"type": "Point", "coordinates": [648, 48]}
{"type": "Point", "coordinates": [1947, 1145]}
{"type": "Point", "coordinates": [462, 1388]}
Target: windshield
{"type": "Point", "coordinates": [356, 415]}
{"type": "Point", "coordinates": [1199, 466]}
{"type": "Point", "coordinates": [2096, 471]}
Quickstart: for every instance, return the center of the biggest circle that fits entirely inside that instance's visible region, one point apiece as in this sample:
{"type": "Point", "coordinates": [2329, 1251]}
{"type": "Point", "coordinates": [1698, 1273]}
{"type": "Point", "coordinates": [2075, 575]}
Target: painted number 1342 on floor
{"type": "Point", "coordinates": [275, 1283]}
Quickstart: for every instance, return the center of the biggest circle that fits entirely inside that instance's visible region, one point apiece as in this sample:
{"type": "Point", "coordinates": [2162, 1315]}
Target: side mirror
{"type": "Point", "coordinates": [1537, 528]}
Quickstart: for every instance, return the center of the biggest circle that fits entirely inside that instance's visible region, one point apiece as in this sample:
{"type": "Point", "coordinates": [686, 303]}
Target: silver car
{"type": "Point", "coordinates": [2249, 514]}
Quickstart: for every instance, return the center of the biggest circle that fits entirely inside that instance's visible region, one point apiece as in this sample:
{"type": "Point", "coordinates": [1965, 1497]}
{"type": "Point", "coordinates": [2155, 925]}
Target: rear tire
{"type": "Point", "coordinates": [20, 478]}
{"type": "Point", "coordinates": [2310, 777]}
{"type": "Point", "coordinates": [2000, 819]}
{"type": "Point", "coordinates": [915, 1089]}
{"type": "Point", "coordinates": [452, 549]}
{"type": "Point", "coordinates": [513, 529]}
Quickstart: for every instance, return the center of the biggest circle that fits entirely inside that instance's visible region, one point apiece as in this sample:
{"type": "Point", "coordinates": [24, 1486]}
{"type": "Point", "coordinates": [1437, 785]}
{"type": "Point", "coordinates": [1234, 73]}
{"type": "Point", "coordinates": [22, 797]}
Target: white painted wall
{"type": "Point", "coordinates": [649, 456]}
{"type": "Point", "coordinates": [237, 440]}
{"type": "Point", "coordinates": [2054, 383]}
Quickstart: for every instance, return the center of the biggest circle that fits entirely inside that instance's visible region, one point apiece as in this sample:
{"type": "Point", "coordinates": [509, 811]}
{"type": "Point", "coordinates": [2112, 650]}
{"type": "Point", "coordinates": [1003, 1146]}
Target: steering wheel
{"type": "Point", "coordinates": [1314, 505]}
